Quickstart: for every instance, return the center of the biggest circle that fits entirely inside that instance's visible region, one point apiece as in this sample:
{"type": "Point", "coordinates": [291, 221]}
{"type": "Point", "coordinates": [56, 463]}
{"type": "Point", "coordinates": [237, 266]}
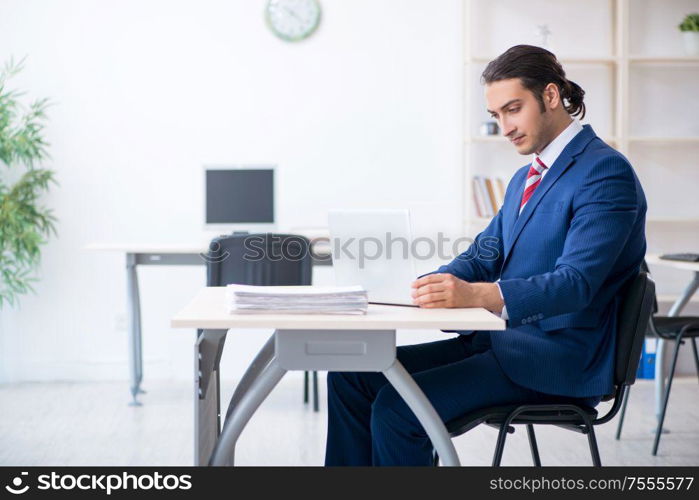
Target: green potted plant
{"type": "Point", "coordinates": [25, 224]}
{"type": "Point", "coordinates": [690, 33]}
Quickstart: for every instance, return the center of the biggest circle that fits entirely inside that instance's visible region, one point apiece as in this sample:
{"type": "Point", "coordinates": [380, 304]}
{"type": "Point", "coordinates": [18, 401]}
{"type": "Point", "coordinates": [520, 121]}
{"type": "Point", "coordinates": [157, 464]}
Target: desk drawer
{"type": "Point", "coordinates": [335, 350]}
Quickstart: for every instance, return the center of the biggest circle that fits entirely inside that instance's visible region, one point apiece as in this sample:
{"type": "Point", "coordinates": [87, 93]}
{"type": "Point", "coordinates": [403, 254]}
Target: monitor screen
{"type": "Point", "coordinates": [239, 195]}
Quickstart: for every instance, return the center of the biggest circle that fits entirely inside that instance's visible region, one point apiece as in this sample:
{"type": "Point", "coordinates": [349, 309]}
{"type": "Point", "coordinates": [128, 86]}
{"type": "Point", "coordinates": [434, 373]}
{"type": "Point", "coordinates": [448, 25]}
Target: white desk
{"type": "Point", "coordinates": [158, 255]}
{"type": "Point", "coordinates": [308, 342]}
{"type": "Point", "coordinates": [675, 310]}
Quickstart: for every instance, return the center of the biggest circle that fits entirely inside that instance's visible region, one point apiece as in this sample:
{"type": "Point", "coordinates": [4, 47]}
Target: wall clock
{"type": "Point", "coordinates": [292, 20]}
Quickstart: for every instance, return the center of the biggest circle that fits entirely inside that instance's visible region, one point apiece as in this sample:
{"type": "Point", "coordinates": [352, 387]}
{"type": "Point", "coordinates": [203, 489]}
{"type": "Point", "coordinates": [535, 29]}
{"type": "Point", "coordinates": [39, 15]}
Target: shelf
{"type": "Point", "coordinates": [661, 220]}
{"type": "Point", "coordinates": [672, 219]}
{"type": "Point", "coordinates": [480, 220]}
{"type": "Point", "coordinates": [623, 74]}
{"type": "Point", "coordinates": [487, 138]}
{"type": "Point", "coordinates": [664, 60]}
{"type": "Point", "coordinates": [563, 60]}
{"type": "Point", "coordinates": [671, 140]}
{"type": "Point", "coordinates": [502, 139]}
{"type": "Point", "coordinates": [589, 60]}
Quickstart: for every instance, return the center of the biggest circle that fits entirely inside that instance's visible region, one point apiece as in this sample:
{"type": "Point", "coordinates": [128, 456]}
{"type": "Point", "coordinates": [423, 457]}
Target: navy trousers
{"type": "Point", "coordinates": [370, 424]}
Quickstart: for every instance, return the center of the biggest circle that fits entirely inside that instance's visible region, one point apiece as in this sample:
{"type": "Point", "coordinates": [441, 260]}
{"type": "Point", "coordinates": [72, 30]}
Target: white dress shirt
{"type": "Point", "coordinates": [548, 157]}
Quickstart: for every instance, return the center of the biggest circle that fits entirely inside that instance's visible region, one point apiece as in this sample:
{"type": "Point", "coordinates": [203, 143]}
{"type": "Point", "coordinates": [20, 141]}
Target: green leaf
{"type": "Point", "coordinates": [25, 224]}
{"type": "Point", "coordinates": [690, 22]}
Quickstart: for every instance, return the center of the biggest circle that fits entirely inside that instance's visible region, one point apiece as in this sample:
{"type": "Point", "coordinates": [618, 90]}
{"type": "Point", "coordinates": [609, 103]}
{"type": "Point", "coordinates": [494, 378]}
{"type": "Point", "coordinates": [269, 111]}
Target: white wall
{"type": "Point", "coordinates": [366, 113]}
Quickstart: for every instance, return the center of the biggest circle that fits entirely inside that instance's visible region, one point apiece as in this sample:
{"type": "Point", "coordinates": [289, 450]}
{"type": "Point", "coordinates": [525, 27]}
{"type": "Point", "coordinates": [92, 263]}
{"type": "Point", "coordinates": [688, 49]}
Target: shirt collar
{"type": "Point", "coordinates": [551, 152]}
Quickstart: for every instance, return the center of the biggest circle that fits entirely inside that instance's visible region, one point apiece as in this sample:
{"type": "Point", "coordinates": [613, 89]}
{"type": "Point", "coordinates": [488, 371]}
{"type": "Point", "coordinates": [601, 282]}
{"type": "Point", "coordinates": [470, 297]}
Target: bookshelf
{"type": "Point", "coordinates": [640, 95]}
{"type": "Point", "coordinates": [664, 60]}
{"type": "Point", "coordinates": [671, 140]}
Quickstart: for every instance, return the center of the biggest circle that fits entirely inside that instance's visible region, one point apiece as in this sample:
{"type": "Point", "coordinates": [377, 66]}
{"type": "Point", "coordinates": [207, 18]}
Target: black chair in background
{"type": "Point", "coordinates": [634, 312]}
{"type": "Point", "coordinates": [674, 329]}
{"type": "Point", "coordinates": [264, 259]}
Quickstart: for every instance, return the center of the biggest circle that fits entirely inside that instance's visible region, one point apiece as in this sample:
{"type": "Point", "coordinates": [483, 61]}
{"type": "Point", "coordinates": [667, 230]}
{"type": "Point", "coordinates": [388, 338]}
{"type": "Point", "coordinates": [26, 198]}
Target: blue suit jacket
{"type": "Point", "coordinates": [561, 263]}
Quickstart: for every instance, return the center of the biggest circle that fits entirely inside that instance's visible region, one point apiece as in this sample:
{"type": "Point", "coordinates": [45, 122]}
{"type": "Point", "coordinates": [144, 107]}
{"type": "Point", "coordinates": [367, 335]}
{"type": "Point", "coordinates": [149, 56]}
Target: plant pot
{"type": "Point", "coordinates": [691, 42]}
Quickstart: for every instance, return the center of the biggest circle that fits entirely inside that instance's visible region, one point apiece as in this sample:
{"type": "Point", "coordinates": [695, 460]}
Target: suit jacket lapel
{"type": "Point", "coordinates": [559, 167]}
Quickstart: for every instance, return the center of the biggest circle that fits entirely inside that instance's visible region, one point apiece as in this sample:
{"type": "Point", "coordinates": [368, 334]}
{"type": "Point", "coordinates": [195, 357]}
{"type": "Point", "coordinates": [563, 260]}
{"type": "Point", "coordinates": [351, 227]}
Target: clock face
{"type": "Point", "coordinates": [293, 20]}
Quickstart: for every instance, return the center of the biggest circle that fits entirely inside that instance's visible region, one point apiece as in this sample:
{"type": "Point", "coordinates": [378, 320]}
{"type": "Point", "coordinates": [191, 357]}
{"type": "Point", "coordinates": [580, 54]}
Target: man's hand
{"type": "Point", "coordinates": [446, 290]}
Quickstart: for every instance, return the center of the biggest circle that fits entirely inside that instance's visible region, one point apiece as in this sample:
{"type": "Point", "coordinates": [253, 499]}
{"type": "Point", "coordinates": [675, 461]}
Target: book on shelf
{"type": "Point", "coordinates": [488, 195]}
{"type": "Point", "coordinates": [500, 190]}
{"type": "Point", "coordinates": [491, 194]}
{"type": "Point", "coordinates": [478, 197]}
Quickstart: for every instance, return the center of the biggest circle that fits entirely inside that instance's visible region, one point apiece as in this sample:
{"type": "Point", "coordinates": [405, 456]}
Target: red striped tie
{"type": "Point", "coordinates": [533, 179]}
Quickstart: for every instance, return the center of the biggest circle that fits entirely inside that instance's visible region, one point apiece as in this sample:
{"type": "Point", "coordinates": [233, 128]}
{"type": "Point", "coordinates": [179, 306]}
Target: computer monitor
{"type": "Point", "coordinates": [239, 197]}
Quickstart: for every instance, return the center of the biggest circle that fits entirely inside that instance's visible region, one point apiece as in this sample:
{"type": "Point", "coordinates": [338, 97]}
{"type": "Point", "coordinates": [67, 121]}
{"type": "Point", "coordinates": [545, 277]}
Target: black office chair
{"type": "Point", "coordinates": [668, 328]}
{"type": "Point", "coordinates": [262, 259]}
{"type": "Point", "coordinates": [633, 317]}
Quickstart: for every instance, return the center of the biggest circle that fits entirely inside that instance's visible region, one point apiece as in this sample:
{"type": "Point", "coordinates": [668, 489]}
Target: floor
{"type": "Point", "coordinates": [91, 424]}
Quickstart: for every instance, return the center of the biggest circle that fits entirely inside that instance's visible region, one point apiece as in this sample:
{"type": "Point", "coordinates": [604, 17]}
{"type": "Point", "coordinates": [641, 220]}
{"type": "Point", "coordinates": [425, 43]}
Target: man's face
{"type": "Point", "coordinates": [519, 115]}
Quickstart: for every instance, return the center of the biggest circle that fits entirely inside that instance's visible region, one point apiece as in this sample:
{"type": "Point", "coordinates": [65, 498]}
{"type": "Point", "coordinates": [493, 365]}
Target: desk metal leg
{"type": "Point", "coordinates": [340, 350]}
{"type": "Point", "coordinates": [207, 403]}
{"type": "Point", "coordinates": [135, 341]}
{"type": "Point", "coordinates": [416, 400]}
{"type": "Point", "coordinates": [681, 302]}
{"type": "Point", "coordinates": [261, 361]}
{"type": "Point", "coordinates": [675, 310]}
{"type": "Point", "coordinates": [261, 386]}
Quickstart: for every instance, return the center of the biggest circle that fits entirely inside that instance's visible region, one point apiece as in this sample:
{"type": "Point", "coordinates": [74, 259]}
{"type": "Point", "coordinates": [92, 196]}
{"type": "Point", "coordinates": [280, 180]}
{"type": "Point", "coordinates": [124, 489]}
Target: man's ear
{"type": "Point", "coordinates": [552, 96]}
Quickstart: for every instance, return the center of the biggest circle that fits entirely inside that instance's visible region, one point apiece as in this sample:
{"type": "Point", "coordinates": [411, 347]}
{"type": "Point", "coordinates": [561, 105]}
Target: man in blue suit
{"type": "Point", "coordinates": [552, 261]}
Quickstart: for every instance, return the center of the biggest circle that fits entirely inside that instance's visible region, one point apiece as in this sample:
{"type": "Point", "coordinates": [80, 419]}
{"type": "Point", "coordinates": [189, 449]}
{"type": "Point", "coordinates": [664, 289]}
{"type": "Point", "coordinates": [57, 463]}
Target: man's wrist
{"type": "Point", "coordinates": [488, 296]}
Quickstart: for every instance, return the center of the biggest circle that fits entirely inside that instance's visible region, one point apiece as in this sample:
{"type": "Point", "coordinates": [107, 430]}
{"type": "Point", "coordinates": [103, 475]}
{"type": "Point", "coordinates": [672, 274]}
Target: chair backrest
{"type": "Point", "coordinates": [634, 313]}
{"type": "Point", "coordinates": [259, 259]}
{"type": "Point", "coordinates": [644, 269]}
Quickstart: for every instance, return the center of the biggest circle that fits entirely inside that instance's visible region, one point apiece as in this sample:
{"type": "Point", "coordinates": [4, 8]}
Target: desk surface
{"type": "Point", "coordinates": [654, 259]}
{"type": "Point", "coordinates": [207, 310]}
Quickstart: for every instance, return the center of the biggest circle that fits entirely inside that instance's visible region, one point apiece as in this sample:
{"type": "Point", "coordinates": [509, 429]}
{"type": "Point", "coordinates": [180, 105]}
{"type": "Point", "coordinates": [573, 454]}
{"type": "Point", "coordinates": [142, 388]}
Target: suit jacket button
{"type": "Point", "coordinates": [524, 321]}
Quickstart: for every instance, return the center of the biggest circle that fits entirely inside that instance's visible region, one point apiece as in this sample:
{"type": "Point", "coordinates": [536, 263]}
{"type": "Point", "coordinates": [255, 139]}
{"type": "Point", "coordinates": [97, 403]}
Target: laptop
{"type": "Point", "coordinates": [372, 248]}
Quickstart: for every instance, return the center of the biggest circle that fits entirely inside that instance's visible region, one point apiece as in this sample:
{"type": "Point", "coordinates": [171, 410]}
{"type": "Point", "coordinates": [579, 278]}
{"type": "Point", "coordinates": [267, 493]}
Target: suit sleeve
{"type": "Point", "coordinates": [605, 208]}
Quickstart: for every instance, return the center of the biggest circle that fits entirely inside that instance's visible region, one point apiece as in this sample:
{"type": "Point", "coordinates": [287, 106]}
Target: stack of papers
{"type": "Point", "coordinates": [296, 299]}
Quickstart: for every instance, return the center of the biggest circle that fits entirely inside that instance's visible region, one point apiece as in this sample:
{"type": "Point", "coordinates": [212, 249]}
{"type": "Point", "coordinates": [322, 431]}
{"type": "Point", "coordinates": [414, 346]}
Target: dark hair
{"type": "Point", "coordinates": [536, 68]}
